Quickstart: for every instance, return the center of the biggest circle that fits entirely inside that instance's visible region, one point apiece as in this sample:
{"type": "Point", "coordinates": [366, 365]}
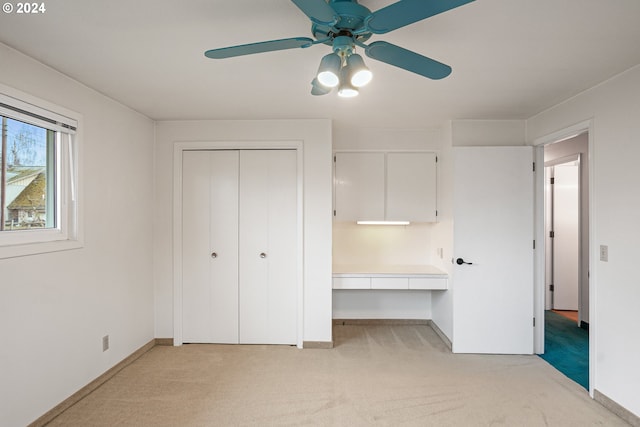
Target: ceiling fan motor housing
{"type": "Point", "coordinates": [351, 19]}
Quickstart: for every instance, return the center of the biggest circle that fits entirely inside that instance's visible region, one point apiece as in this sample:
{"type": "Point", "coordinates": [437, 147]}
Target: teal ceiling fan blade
{"type": "Point", "coordinates": [260, 47]}
{"type": "Point", "coordinates": [407, 60]}
{"type": "Point", "coordinates": [405, 12]}
{"type": "Point", "coordinates": [318, 11]}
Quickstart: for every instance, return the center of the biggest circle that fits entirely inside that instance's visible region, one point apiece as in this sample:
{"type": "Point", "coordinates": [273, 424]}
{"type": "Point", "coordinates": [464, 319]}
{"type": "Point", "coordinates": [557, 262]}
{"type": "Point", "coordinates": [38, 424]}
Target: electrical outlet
{"type": "Point", "coordinates": [604, 253]}
{"type": "Point", "coordinates": [105, 343]}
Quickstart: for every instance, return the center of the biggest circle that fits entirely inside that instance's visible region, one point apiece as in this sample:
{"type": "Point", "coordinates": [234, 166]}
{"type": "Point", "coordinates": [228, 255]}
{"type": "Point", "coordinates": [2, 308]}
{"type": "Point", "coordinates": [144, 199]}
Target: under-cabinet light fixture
{"type": "Point", "coordinates": [383, 222]}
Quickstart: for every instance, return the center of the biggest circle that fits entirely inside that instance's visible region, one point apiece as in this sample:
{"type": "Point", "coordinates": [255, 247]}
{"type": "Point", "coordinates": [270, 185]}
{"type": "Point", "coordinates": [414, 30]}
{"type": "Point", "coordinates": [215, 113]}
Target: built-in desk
{"type": "Point", "coordinates": [391, 277]}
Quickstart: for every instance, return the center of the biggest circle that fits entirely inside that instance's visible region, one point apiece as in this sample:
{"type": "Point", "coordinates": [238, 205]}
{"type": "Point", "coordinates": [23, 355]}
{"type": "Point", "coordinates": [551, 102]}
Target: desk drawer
{"type": "Point", "coordinates": [389, 283]}
{"type": "Point", "coordinates": [427, 283]}
{"type": "Point", "coordinates": [351, 283]}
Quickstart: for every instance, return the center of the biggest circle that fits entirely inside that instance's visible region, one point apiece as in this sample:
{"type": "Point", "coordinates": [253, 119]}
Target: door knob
{"type": "Point", "coordinates": [214, 255]}
{"type": "Point", "coordinates": [263, 255]}
{"type": "Point", "coordinates": [460, 261]}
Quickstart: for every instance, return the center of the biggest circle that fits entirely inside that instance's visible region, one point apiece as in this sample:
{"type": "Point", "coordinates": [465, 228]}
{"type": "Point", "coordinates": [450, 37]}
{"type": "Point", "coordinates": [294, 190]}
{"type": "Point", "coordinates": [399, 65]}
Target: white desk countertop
{"type": "Point", "coordinates": [381, 270]}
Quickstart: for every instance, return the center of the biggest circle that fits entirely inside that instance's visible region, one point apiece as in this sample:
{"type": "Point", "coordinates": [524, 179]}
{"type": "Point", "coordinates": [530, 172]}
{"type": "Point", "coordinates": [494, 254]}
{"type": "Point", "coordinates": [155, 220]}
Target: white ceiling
{"type": "Point", "coordinates": [511, 58]}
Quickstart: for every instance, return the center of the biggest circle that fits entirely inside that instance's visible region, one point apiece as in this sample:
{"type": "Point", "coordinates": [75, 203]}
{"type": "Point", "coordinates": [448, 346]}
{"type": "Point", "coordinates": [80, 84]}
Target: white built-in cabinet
{"type": "Point", "coordinates": [385, 186]}
{"type": "Point", "coordinates": [239, 246]}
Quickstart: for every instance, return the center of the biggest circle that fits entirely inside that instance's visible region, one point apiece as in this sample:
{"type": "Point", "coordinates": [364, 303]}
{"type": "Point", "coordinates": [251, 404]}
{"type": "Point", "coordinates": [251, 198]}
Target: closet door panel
{"type": "Point", "coordinates": [196, 289]}
{"type": "Point", "coordinates": [282, 244]}
{"type": "Point", "coordinates": [224, 244]}
{"type": "Point", "coordinates": [268, 292]}
{"type": "Point", "coordinates": [210, 246]}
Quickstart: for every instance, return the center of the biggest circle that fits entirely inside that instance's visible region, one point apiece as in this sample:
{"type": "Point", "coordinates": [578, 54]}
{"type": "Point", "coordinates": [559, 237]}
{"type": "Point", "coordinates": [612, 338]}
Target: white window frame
{"type": "Point", "coordinates": [67, 233]}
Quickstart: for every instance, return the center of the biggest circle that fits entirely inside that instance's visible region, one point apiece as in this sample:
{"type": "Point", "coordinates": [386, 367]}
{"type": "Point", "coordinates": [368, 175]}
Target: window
{"type": "Point", "coordinates": [38, 176]}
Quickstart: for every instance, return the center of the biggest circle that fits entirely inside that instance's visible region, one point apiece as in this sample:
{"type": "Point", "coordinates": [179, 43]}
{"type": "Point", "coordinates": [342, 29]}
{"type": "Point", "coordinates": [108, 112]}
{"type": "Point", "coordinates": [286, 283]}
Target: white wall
{"type": "Point", "coordinates": [614, 108]}
{"type": "Point", "coordinates": [358, 138]}
{"type": "Point", "coordinates": [316, 137]}
{"type": "Point", "coordinates": [487, 133]}
{"type": "Point", "coordinates": [382, 244]}
{"type": "Point", "coordinates": [381, 304]}
{"type": "Point", "coordinates": [56, 307]}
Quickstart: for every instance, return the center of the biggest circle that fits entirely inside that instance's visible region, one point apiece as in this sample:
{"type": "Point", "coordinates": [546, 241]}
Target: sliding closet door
{"type": "Point", "coordinates": [210, 246]}
{"type": "Point", "coordinates": [267, 276]}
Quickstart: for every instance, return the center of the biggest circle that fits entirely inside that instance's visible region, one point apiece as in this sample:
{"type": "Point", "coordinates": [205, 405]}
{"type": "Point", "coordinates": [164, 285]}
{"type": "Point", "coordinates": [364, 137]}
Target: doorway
{"type": "Point", "coordinates": [566, 226]}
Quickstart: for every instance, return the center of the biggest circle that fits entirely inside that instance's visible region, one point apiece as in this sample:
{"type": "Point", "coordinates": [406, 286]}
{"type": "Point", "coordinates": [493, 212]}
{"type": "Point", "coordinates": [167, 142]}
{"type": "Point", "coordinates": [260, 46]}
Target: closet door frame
{"type": "Point", "coordinates": [178, 149]}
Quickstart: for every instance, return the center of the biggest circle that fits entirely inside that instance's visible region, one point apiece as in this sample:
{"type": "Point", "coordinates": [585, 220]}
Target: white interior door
{"type": "Point", "coordinates": [566, 235]}
{"type": "Point", "coordinates": [210, 246]}
{"type": "Point", "coordinates": [268, 213]}
{"type": "Point", "coordinates": [493, 230]}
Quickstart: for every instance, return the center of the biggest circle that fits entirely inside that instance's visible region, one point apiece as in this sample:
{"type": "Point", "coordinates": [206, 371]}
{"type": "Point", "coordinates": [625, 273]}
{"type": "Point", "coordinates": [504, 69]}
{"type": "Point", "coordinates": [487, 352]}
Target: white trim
{"type": "Point", "coordinates": [178, 149]}
{"type": "Point", "coordinates": [539, 291]}
{"type": "Point", "coordinates": [68, 233]}
{"type": "Point", "coordinates": [49, 112]}
{"type": "Point", "coordinates": [566, 159]}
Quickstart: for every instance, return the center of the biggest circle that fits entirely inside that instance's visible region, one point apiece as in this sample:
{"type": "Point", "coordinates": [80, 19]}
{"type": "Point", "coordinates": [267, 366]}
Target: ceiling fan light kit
{"type": "Point", "coordinates": [345, 24]}
{"type": "Point", "coordinates": [318, 89]}
{"type": "Point", "coordinates": [329, 70]}
{"type": "Point", "coordinates": [359, 74]}
{"type": "Point", "coordinates": [346, 89]}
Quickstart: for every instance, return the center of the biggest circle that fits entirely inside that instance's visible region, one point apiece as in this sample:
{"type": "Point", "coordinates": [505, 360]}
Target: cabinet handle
{"type": "Point", "coordinates": [214, 255]}
{"type": "Point", "coordinates": [263, 255]}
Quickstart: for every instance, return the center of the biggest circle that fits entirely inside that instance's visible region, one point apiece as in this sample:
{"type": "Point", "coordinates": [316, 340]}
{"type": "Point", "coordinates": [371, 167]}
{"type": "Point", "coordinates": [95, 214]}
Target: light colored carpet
{"type": "Point", "coordinates": [375, 375]}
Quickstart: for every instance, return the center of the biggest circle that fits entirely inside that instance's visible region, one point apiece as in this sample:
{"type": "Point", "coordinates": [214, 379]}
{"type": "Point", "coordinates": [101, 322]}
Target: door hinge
{"type": "Point", "coordinates": [436, 159]}
{"type": "Point", "coordinates": [551, 287]}
{"type": "Point", "coordinates": [334, 159]}
{"type": "Point", "coordinates": [552, 181]}
{"type": "Point", "coordinates": [436, 213]}
{"type": "Point", "coordinates": [534, 244]}
{"type": "Point", "coordinates": [334, 212]}
{"type": "Point", "coordinates": [534, 166]}
{"type": "Point", "coordinates": [552, 234]}
{"type": "Point", "coordinates": [534, 322]}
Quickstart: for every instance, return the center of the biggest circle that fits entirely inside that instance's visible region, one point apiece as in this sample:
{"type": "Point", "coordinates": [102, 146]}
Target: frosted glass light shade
{"type": "Point", "coordinates": [360, 75]}
{"type": "Point", "coordinates": [329, 70]}
{"type": "Point", "coordinates": [346, 89]}
{"type": "Point", "coordinates": [318, 89]}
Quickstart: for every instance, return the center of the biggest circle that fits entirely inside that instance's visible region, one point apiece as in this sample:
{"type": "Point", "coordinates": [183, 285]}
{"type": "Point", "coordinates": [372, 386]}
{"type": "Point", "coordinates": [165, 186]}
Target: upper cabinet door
{"type": "Point", "coordinates": [388, 186]}
{"type": "Point", "coordinates": [359, 186]}
{"type": "Point", "coordinates": [411, 187]}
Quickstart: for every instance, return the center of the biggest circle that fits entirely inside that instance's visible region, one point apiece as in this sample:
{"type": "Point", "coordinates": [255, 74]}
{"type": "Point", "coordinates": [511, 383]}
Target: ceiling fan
{"type": "Point", "coordinates": [345, 24]}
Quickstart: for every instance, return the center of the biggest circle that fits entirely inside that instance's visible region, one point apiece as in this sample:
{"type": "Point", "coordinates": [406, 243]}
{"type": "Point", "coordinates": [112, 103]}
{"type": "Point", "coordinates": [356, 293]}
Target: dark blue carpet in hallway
{"type": "Point", "coordinates": [567, 347]}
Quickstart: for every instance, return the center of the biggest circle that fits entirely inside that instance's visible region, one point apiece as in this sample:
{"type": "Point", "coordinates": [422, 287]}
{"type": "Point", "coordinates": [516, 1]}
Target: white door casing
{"type": "Point", "coordinates": [493, 229]}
